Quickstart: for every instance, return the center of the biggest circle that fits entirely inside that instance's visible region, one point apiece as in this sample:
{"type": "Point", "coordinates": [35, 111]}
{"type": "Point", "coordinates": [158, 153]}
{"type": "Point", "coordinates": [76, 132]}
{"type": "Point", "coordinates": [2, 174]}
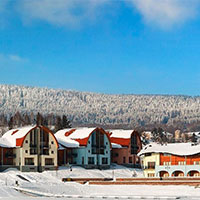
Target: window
{"type": "Point", "coordinates": [104, 161]}
{"type": "Point", "coordinates": [90, 160]}
{"type": "Point", "coordinates": [29, 161]}
{"type": "Point", "coordinates": [26, 151]}
{"type": "Point", "coordinates": [147, 154]}
{"type": "Point", "coordinates": [134, 144]}
{"type": "Point", "coordinates": [83, 161]}
{"type": "Point", "coordinates": [49, 161]}
{"type": "Point", "coordinates": [33, 139]}
{"type": "Point", "coordinates": [88, 142]}
{"type": "Point", "coordinates": [115, 154]}
{"type": "Point", "coordinates": [130, 160]}
{"type": "Point", "coordinates": [52, 152]}
{"type": "Point", "coordinates": [88, 151]}
{"type": "Point", "coordinates": [106, 152]}
{"type": "Point", "coordinates": [196, 162]}
{"type": "Point", "coordinates": [124, 159]}
{"type": "Point", "coordinates": [52, 142]}
{"type": "Point", "coordinates": [44, 139]}
{"type": "Point", "coordinates": [181, 162]}
{"type": "Point", "coordinates": [151, 174]}
{"type": "Point", "coordinates": [151, 165]}
{"type": "Point", "coordinates": [33, 151]}
{"type": "Point", "coordinates": [44, 151]}
{"type": "Point", "coordinates": [166, 163]}
{"type": "Point", "coordinates": [26, 141]}
{"type": "Point", "coordinates": [97, 141]}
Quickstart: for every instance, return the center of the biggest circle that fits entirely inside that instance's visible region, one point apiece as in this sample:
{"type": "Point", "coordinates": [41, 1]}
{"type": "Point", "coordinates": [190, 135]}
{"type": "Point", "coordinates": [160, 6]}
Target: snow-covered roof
{"type": "Point", "coordinates": [73, 137]}
{"type": "Point", "coordinates": [10, 137]}
{"type": "Point", "coordinates": [5, 143]}
{"type": "Point", "coordinates": [121, 137]}
{"type": "Point", "coordinates": [65, 141]}
{"type": "Point", "coordinates": [182, 149]}
{"type": "Point", "coordinates": [81, 133]}
{"type": "Point", "coordinates": [120, 133]}
{"type": "Point", "coordinates": [15, 137]}
{"type": "Point", "coordinates": [116, 146]}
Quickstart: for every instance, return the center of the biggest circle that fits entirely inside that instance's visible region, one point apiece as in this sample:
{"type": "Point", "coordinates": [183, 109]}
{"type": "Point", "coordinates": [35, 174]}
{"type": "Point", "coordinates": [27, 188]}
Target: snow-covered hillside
{"type": "Point", "coordinates": [94, 108]}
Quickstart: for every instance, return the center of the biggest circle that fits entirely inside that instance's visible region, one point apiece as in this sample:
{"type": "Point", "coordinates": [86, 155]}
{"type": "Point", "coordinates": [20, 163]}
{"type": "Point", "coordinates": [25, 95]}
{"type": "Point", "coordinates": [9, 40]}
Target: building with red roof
{"type": "Point", "coordinates": [32, 148]}
{"type": "Point", "coordinates": [126, 144]}
{"type": "Point", "coordinates": [87, 147]}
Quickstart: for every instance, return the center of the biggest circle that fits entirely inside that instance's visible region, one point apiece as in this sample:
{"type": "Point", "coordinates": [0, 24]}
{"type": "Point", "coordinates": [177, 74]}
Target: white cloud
{"type": "Point", "coordinates": [163, 13]}
{"type": "Point", "coordinates": [16, 58]}
{"type": "Point", "coordinates": [12, 58]}
{"type": "Point", "coordinates": [60, 12]}
{"type": "Point", "coordinates": [166, 13]}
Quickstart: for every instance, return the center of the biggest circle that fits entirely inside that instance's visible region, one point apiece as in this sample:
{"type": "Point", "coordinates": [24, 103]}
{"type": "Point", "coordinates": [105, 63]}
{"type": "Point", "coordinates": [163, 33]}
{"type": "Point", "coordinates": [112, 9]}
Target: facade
{"type": "Point", "coordinates": [87, 147]}
{"type": "Point", "coordinates": [126, 144]}
{"type": "Point", "coordinates": [32, 148]}
{"type": "Point", "coordinates": [171, 160]}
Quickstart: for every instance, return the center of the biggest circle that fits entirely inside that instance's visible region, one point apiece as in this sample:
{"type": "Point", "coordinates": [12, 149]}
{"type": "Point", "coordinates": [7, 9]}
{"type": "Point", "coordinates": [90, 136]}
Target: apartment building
{"type": "Point", "coordinates": [32, 148]}
{"type": "Point", "coordinates": [171, 160]}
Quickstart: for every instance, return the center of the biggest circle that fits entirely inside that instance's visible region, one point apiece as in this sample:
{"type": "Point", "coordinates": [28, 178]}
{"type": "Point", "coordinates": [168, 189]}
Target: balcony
{"type": "Point", "coordinates": [30, 163]}
{"type": "Point", "coordinates": [33, 146]}
{"type": "Point", "coordinates": [10, 155]}
{"type": "Point", "coordinates": [44, 146]}
{"type": "Point", "coordinates": [172, 168]}
{"type": "Point", "coordinates": [99, 147]}
{"type": "Point", "coordinates": [177, 167]}
{"type": "Point", "coordinates": [148, 167]}
{"type": "Point", "coordinates": [33, 151]}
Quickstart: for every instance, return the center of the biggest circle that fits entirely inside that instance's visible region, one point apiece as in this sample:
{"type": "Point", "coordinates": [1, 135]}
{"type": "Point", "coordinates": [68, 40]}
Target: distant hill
{"type": "Point", "coordinates": [104, 109]}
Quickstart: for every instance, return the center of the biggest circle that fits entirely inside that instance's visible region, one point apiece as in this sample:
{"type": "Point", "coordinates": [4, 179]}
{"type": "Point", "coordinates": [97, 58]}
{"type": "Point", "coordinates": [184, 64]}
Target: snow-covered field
{"type": "Point", "coordinates": [49, 184]}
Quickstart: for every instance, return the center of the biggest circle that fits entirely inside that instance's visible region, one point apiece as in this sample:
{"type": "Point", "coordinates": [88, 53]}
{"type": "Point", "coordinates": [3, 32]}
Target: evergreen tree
{"type": "Point", "coordinates": [194, 138]}
{"type": "Point", "coordinates": [58, 124]}
{"type": "Point", "coordinates": [39, 119]}
{"type": "Point", "coordinates": [65, 122]}
{"type": "Point", "coordinates": [11, 123]}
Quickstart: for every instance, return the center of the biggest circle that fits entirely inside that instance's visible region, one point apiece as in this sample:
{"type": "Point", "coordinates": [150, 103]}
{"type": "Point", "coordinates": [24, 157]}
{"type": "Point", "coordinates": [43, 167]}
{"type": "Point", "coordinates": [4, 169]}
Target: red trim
{"type": "Point", "coordinates": [84, 141]}
{"type": "Point", "coordinates": [125, 141]}
{"type": "Point", "coordinates": [20, 141]}
{"type": "Point", "coordinates": [121, 141]}
{"type": "Point", "coordinates": [14, 132]}
{"type": "Point", "coordinates": [69, 132]}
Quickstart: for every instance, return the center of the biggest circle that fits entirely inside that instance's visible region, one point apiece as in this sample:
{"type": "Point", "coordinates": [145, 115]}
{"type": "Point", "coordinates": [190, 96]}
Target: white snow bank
{"type": "Point", "coordinates": [49, 183]}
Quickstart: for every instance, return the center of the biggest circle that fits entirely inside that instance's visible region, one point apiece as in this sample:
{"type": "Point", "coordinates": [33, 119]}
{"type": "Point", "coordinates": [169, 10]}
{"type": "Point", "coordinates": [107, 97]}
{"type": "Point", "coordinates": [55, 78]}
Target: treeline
{"type": "Point", "coordinates": [52, 121]}
{"type": "Point", "coordinates": [85, 108]}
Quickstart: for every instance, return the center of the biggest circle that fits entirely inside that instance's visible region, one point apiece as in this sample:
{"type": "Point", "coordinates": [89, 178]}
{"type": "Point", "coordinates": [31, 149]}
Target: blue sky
{"type": "Point", "coordinates": [106, 46]}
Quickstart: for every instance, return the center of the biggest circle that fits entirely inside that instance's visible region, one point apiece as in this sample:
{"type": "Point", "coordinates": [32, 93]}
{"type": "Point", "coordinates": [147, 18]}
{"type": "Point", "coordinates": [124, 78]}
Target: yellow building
{"type": "Point", "coordinates": [149, 161]}
{"type": "Point", "coordinates": [32, 148]}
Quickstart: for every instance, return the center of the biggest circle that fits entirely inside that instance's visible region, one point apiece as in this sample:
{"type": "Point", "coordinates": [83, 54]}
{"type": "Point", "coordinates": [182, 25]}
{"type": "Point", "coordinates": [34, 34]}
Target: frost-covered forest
{"type": "Point", "coordinates": [94, 108]}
